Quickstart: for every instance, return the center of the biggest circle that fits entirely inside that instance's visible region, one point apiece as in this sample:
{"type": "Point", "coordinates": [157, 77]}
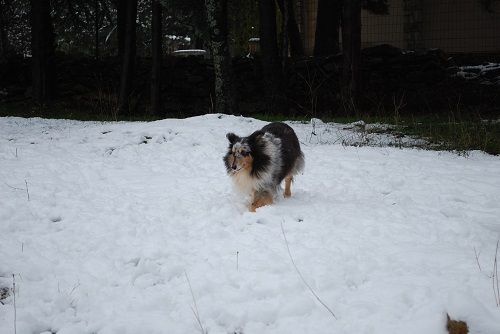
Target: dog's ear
{"type": "Point", "coordinates": [257, 134]}
{"type": "Point", "coordinates": [232, 138]}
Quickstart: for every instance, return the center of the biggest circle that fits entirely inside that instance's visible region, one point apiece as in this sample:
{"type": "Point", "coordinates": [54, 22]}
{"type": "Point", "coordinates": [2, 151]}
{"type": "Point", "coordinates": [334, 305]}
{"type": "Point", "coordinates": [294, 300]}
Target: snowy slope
{"type": "Point", "coordinates": [121, 214]}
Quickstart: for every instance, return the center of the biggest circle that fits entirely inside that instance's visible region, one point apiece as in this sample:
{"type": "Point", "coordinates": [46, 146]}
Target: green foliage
{"type": "Point", "coordinates": [74, 26]}
{"type": "Point", "coordinates": [184, 23]}
{"type": "Point", "coordinates": [451, 132]}
{"type": "Point", "coordinates": [243, 24]}
{"type": "Point", "coordinates": [458, 134]}
{"type": "Point", "coordinates": [190, 20]}
{"type": "Point", "coordinates": [17, 24]}
{"type": "Point", "coordinates": [186, 18]}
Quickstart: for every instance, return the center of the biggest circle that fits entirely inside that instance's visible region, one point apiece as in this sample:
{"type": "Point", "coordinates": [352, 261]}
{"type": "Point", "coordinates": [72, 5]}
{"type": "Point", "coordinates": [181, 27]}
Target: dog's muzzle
{"type": "Point", "coordinates": [235, 169]}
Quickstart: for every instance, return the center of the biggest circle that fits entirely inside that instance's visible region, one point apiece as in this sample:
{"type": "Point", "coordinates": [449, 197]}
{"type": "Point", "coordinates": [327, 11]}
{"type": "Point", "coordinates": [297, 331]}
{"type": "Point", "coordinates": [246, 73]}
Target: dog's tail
{"type": "Point", "coordinates": [299, 165]}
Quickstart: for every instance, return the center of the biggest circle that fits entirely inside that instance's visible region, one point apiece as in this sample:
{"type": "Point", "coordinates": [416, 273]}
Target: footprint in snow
{"type": "Point", "coordinates": [56, 219]}
{"type": "Point", "coordinates": [4, 293]}
{"type": "Point", "coordinates": [145, 139]}
{"type": "Point", "coordinates": [161, 139]}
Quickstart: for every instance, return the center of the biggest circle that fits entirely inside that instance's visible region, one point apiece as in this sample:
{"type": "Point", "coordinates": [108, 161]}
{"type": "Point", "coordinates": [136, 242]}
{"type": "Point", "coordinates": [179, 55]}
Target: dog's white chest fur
{"type": "Point", "coordinates": [244, 182]}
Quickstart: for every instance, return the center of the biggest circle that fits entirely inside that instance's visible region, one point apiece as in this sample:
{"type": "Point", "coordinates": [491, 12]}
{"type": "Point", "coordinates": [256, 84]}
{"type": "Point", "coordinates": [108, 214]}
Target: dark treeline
{"type": "Point", "coordinates": [128, 44]}
{"type": "Point", "coordinates": [125, 30]}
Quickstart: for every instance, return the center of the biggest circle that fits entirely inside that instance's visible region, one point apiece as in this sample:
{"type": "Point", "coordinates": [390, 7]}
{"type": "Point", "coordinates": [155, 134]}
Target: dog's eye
{"type": "Point", "coordinates": [245, 154]}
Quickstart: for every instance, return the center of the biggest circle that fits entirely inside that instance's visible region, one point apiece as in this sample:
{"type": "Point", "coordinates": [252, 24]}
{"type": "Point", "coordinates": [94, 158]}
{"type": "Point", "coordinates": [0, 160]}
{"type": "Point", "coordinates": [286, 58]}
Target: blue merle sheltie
{"type": "Point", "coordinates": [260, 162]}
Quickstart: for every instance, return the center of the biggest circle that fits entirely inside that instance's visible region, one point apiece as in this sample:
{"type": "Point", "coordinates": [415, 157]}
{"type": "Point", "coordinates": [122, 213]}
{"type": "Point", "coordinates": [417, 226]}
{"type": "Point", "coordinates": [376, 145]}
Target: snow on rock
{"type": "Point", "coordinates": [121, 215]}
{"type": "Point", "coordinates": [488, 73]}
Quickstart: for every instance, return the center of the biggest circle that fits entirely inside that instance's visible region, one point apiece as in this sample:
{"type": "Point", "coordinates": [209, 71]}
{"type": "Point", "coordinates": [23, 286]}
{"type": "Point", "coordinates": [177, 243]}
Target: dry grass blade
{"type": "Point", "coordinates": [477, 259]}
{"type": "Point", "coordinates": [15, 308]}
{"type": "Point", "coordinates": [302, 277]}
{"type": "Point", "coordinates": [27, 190]}
{"type": "Point", "coordinates": [494, 278]}
{"type": "Point", "coordinates": [195, 309]}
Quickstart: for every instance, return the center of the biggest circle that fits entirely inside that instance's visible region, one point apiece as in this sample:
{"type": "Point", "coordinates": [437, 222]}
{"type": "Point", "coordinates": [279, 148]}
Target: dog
{"type": "Point", "coordinates": [260, 162]}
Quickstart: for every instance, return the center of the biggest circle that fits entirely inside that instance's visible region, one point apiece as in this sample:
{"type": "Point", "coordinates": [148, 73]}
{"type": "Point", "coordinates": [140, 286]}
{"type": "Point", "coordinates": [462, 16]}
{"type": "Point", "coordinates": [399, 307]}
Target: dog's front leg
{"type": "Point", "coordinates": [288, 182]}
{"type": "Point", "coordinates": [260, 198]}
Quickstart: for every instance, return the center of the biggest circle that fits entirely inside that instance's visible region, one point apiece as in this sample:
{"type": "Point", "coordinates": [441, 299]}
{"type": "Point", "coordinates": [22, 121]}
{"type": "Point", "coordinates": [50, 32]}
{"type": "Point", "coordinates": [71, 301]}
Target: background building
{"type": "Point", "coordinates": [456, 26]}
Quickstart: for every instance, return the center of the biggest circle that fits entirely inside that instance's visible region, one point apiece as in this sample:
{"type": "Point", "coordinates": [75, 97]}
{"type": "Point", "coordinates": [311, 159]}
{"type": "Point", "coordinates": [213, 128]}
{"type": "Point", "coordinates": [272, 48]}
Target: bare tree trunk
{"type": "Point", "coordinates": [121, 25]}
{"type": "Point", "coordinates": [296, 45]}
{"type": "Point", "coordinates": [4, 38]}
{"type": "Point", "coordinates": [225, 95]}
{"type": "Point", "coordinates": [327, 28]}
{"type": "Point", "coordinates": [96, 28]}
{"type": "Point", "coordinates": [198, 41]}
{"type": "Point", "coordinates": [351, 44]}
{"type": "Point", "coordinates": [156, 57]}
{"type": "Point", "coordinates": [270, 54]}
{"type": "Point", "coordinates": [129, 53]}
{"type": "Point", "coordinates": [284, 44]}
{"type": "Point", "coordinates": [42, 48]}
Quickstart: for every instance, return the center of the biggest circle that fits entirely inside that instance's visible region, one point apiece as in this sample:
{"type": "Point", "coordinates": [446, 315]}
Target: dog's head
{"type": "Point", "coordinates": [246, 153]}
{"type": "Point", "coordinates": [239, 154]}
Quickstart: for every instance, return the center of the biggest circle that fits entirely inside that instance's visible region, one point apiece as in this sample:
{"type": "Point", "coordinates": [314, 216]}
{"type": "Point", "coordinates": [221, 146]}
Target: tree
{"type": "Point", "coordinates": [187, 18]}
{"type": "Point", "coordinates": [128, 59]}
{"type": "Point", "coordinates": [270, 54]}
{"type": "Point", "coordinates": [328, 22]}
{"type": "Point", "coordinates": [15, 27]}
{"type": "Point", "coordinates": [4, 40]}
{"type": "Point", "coordinates": [351, 44]}
{"type": "Point", "coordinates": [243, 24]}
{"type": "Point", "coordinates": [292, 28]}
{"type": "Point", "coordinates": [96, 28]}
{"type": "Point", "coordinates": [156, 57]}
{"type": "Point", "coordinates": [81, 25]}
{"type": "Point", "coordinates": [327, 27]}
{"type": "Point", "coordinates": [267, 32]}
{"type": "Point", "coordinates": [42, 48]}
{"type": "Point", "coordinates": [121, 25]}
{"type": "Point", "coordinates": [225, 95]}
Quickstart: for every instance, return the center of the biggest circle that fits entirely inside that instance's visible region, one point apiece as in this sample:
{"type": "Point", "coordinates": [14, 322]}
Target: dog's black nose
{"type": "Point", "coordinates": [234, 167]}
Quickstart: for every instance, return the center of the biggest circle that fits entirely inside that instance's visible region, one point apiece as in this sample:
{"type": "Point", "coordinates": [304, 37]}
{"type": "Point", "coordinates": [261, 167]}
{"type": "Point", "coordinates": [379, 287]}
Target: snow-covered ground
{"type": "Point", "coordinates": [121, 217]}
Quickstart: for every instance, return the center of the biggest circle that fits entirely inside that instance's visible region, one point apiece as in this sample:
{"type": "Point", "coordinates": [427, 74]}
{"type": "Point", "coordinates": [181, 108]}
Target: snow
{"type": "Point", "coordinates": [175, 37]}
{"type": "Point", "coordinates": [488, 73]}
{"type": "Point", "coordinates": [188, 52]}
{"type": "Point", "coordinates": [121, 215]}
